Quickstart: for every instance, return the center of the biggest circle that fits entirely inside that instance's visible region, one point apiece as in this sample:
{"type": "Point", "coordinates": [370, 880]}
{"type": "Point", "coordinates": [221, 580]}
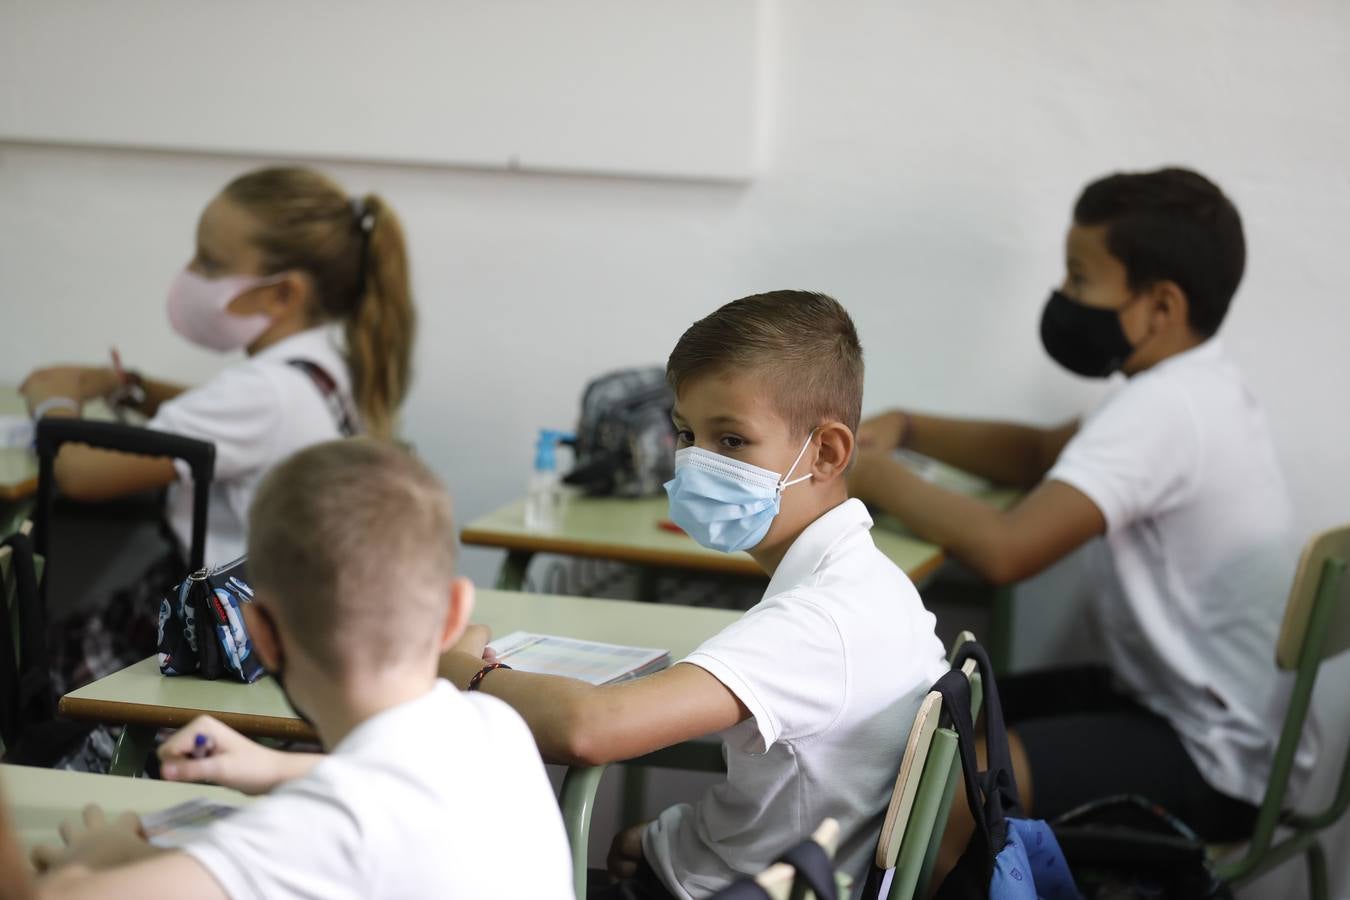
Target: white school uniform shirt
{"type": "Point", "coordinates": [257, 412]}
{"type": "Point", "coordinates": [440, 797]}
{"type": "Point", "coordinates": [832, 664]}
{"type": "Point", "coordinates": [1199, 558]}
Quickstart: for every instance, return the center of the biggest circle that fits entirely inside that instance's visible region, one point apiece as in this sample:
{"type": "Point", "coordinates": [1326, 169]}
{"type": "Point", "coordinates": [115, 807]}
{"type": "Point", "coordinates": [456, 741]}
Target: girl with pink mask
{"type": "Point", "coordinates": [312, 286]}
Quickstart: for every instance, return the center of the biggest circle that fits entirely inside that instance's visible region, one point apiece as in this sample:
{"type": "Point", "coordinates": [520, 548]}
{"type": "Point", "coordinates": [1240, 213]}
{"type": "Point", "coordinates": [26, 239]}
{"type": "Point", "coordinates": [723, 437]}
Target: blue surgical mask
{"type": "Point", "coordinates": [723, 503]}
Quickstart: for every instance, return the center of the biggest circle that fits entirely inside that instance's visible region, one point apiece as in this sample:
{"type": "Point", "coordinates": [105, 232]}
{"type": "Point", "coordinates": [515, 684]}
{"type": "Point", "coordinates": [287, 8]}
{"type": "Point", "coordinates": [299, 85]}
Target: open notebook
{"type": "Point", "coordinates": [588, 661]}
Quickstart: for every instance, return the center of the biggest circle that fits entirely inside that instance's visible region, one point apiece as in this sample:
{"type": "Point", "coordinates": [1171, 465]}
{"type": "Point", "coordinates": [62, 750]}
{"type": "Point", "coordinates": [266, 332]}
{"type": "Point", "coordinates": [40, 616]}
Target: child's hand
{"type": "Point", "coordinates": [227, 758]}
{"type": "Point", "coordinates": [473, 641]}
{"type": "Point", "coordinates": [95, 843]}
{"type": "Point", "coordinates": [883, 433]}
{"type": "Point", "coordinates": [78, 383]}
{"type": "Point", "coordinates": [625, 854]}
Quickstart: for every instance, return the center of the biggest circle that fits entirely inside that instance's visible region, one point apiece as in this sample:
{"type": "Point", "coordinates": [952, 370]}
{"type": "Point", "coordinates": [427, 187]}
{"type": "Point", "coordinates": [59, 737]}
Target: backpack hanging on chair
{"type": "Point", "coordinates": [1008, 857]}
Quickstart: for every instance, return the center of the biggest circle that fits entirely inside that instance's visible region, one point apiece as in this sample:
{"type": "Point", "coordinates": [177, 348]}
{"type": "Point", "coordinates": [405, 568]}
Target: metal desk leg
{"type": "Point", "coordinates": [634, 795]}
{"type": "Point", "coordinates": [132, 749]}
{"type": "Point", "coordinates": [648, 584]}
{"type": "Point", "coordinates": [577, 801]}
{"type": "Point", "coordinates": [512, 574]}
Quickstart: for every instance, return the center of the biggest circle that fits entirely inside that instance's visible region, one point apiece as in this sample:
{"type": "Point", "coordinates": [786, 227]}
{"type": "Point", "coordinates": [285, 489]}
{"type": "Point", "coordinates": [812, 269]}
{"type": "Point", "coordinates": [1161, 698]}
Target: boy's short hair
{"type": "Point", "coordinates": [1171, 225]}
{"type": "Point", "coordinates": [803, 344]}
{"type": "Point", "coordinates": [353, 543]}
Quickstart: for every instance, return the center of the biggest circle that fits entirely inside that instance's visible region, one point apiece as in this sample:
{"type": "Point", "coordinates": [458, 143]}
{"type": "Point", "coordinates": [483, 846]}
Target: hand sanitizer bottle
{"type": "Point", "coordinates": [543, 501]}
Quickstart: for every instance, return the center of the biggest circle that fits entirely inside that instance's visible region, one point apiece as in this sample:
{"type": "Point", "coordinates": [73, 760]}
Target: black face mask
{"type": "Point", "coordinates": [1084, 339]}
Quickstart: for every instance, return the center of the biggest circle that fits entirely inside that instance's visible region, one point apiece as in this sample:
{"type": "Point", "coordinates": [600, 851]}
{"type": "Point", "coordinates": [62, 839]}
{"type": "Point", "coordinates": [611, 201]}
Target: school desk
{"type": "Point", "coordinates": [142, 699]}
{"type": "Point", "coordinates": [40, 799]}
{"type": "Point", "coordinates": [638, 531]}
{"type": "Point", "coordinates": [18, 465]}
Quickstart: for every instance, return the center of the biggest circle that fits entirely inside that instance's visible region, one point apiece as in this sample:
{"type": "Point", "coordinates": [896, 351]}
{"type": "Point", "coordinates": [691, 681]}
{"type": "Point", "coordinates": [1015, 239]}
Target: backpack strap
{"type": "Point", "coordinates": [34, 694]}
{"type": "Point", "coordinates": [327, 385]}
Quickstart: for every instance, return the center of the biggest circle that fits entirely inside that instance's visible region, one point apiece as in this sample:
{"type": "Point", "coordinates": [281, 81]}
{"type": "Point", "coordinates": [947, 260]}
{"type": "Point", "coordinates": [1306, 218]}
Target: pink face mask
{"type": "Point", "coordinates": [197, 310]}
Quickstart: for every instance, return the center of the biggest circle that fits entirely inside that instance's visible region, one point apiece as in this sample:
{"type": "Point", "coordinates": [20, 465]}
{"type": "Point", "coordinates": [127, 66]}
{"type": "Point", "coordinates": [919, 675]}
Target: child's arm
{"type": "Point", "coordinates": [1003, 546]}
{"type": "Point", "coordinates": [580, 724]}
{"type": "Point", "coordinates": [171, 875]}
{"type": "Point", "coordinates": [229, 759]}
{"type": "Point", "coordinates": [1003, 452]}
{"type": "Point", "coordinates": [86, 473]}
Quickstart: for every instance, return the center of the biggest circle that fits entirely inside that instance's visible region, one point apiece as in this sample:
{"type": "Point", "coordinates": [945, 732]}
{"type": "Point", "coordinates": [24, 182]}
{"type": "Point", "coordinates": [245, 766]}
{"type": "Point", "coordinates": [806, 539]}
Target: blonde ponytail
{"type": "Point", "coordinates": [353, 250]}
{"type": "Point", "coordinates": [380, 333]}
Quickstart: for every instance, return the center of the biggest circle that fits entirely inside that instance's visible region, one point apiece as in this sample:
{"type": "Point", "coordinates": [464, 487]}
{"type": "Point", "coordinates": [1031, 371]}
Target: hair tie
{"type": "Point", "coordinates": [365, 219]}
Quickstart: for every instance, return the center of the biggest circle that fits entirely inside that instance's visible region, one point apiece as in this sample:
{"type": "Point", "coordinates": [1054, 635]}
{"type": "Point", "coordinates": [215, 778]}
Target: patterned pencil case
{"type": "Point", "coordinates": [201, 626]}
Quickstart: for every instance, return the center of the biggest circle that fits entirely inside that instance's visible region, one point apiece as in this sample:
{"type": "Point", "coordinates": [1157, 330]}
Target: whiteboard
{"type": "Point", "coordinates": [603, 86]}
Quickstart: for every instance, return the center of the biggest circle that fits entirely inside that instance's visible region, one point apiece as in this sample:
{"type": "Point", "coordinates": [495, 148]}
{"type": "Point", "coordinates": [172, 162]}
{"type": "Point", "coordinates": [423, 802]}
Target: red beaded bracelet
{"type": "Point", "coordinates": [477, 679]}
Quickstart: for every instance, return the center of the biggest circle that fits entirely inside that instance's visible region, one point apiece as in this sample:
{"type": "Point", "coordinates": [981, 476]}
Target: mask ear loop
{"type": "Point", "coordinates": [784, 483]}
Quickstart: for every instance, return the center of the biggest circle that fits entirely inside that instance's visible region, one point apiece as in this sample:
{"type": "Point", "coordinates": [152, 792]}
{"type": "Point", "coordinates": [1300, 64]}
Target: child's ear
{"type": "Point", "coordinates": [288, 296]}
{"type": "Point", "coordinates": [836, 449]}
{"type": "Point", "coordinates": [262, 631]}
{"type": "Point", "coordinates": [457, 613]}
{"type": "Point", "coordinates": [1170, 305]}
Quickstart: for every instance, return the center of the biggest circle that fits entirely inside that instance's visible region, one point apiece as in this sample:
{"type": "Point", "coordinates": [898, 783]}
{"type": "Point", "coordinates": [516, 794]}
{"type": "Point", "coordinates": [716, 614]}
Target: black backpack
{"type": "Point", "coordinates": [625, 440]}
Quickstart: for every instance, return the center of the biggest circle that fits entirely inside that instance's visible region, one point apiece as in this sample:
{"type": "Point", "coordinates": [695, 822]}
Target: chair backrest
{"type": "Point", "coordinates": [1316, 627]}
{"type": "Point", "coordinates": [921, 797]}
{"type": "Point", "coordinates": [780, 880]}
{"type": "Point", "coordinates": [1321, 578]}
{"type": "Point", "coordinates": [907, 782]}
{"type": "Point", "coordinates": [200, 457]}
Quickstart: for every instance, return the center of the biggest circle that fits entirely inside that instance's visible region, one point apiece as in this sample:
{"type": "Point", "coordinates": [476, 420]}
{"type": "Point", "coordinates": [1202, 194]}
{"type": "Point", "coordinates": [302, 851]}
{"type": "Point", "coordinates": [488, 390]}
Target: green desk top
{"type": "Point", "coordinates": [18, 465]}
{"type": "Point", "coordinates": [139, 695]}
{"type": "Point", "coordinates": [40, 799]}
{"type": "Point", "coordinates": [627, 530]}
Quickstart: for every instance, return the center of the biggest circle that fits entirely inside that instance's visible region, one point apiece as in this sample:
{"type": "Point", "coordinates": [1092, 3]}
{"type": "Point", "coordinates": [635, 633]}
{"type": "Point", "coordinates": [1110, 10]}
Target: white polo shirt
{"type": "Point", "coordinates": [441, 797]}
{"type": "Point", "coordinates": [1200, 557]}
{"type": "Point", "coordinates": [257, 412]}
{"type": "Point", "coordinates": [832, 665]}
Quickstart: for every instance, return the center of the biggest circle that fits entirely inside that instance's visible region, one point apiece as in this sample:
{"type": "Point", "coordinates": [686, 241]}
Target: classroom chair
{"type": "Point", "coordinates": [200, 457]}
{"type": "Point", "coordinates": [1316, 627]}
{"type": "Point", "coordinates": [916, 817]}
{"type": "Point", "coordinates": [921, 800]}
{"type": "Point", "coordinates": [793, 877]}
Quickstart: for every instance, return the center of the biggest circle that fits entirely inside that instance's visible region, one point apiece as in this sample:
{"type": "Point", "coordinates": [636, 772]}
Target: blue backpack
{"type": "Point", "coordinates": [1009, 857]}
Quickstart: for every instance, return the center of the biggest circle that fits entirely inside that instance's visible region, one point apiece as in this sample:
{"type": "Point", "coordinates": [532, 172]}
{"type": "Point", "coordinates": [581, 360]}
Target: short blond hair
{"type": "Point", "coordinates": [353, 542]}
{"type": "Point", "coordinates": [803, 344]}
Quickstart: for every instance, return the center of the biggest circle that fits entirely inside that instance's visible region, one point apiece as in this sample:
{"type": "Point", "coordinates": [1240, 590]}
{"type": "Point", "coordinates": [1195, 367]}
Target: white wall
{"type": "Point", "coordinates": [920, 162]}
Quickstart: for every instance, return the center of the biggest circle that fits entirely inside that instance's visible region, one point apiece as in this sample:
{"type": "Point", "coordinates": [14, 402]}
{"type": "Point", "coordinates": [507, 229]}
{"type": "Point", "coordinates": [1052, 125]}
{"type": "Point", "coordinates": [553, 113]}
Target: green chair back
{"type": "Point", "coordinates": [1316, 627]}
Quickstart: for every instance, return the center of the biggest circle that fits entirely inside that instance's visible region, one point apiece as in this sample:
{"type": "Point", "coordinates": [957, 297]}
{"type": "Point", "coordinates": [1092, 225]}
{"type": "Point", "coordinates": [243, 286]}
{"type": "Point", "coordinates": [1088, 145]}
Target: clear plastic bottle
{"type": "Point", "coordinates": [543, 500]}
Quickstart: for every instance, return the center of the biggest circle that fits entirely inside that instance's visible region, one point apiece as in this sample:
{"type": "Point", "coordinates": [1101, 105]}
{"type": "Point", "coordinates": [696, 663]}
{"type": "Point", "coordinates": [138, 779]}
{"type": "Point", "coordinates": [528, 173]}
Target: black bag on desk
{"type": "Point", "coordinates": [201, 626]}
{"type": "Point", "coordinates": [625, 439]}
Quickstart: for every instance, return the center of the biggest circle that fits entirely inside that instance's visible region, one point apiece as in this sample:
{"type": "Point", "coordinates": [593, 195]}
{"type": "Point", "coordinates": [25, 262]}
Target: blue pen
{"type": "Point", "coordinates": [201, 747]}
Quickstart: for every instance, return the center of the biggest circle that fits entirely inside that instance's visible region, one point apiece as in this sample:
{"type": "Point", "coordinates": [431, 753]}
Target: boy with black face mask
{"type": "Point", "coordinates": [1177, 473]}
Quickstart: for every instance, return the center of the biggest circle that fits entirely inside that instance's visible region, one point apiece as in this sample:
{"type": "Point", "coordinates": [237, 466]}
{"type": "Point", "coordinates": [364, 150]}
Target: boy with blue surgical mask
{"type": "Point", "coordinates": [814, 689]}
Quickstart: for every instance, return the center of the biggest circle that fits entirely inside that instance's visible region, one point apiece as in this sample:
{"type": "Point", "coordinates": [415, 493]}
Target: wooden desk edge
{"type": "Point", "coordinates": [117, 712]}
{"type": "Point", "coordinates": [727, 565]}
{"type": "Point", "coordinates": [500, 540]}
{"type": "Point", "coordinates": [19, 490]}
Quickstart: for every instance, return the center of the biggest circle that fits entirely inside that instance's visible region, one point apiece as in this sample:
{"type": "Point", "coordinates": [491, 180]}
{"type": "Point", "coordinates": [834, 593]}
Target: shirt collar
{"type": "Point", "coordinates": [810, 548]}
{"type": "Point", "coordinates": [297, 344]}
{"type": "Point", "coordinates": [1204, 353]}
